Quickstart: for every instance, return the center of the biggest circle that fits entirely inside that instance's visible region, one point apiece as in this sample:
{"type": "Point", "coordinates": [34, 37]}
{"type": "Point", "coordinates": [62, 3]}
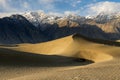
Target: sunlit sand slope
{"type": "Point", "coordinates": [59, 60]}
{"type": "Point", "coordinates": [72, 46]}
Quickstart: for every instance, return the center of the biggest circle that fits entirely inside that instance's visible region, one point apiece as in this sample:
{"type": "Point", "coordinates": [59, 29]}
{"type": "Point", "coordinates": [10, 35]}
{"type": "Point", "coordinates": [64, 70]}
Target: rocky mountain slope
{"type": "Point", "coordinates": [34, 27]}
{"type": "Point", "coordinates": [103, 26]}
{"type": "Point", "coordinates": [17, 29]}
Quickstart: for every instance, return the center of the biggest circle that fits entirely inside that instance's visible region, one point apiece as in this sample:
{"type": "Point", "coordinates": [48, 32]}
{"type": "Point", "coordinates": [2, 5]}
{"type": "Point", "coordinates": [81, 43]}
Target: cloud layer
{"type": "Point", "coordinates": [22, 5]}
{"type": "Point", "coordinates": [102, 7]}
{"type": "Point", "coordinates": [80, 7]}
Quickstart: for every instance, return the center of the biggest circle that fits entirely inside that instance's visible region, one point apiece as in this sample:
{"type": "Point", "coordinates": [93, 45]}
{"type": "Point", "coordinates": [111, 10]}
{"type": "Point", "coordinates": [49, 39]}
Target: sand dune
{"type": "Point", "coordinates": [72, 46]}
{"type": "Point", "coordinates": [71, 58]}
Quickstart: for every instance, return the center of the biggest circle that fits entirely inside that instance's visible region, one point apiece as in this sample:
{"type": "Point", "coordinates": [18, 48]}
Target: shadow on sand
{"type": "Point", "coordinates": [100, 41]}
{"type": "Point", "coordinates": [23, 59]}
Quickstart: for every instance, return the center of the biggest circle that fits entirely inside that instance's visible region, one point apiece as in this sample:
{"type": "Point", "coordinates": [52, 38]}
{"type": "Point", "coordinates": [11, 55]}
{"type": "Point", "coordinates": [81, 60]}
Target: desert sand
{"type": "Point", "coordinates": [69, 58]}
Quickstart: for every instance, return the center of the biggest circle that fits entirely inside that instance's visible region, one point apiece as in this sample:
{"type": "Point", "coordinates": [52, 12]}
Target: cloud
{"type": "Point", "coordinates": [55, 14]}
{"type": "Point", "coordinates": [75, 3]}
{"type": "Point", "coordinates": [102, 7]}
{"type": "Point", "coordinates": [65, 13]}
{"type": "Point", "coordinates": [8, 6]}
{"type": "Point", "coordinates": [4, 6]}
{"type": "Point", "coordinates": [47, 4]}
{"type": "Point", "coordinates": [46, 1]}
{"type": "Point", "coordinates": [51, 4]}
{"type": "Point", "coordinates": [71, 12]}
{"type": "Point", "coordinates": [26, 5]}
{"type": "Point", "coordinates": [59, 7]}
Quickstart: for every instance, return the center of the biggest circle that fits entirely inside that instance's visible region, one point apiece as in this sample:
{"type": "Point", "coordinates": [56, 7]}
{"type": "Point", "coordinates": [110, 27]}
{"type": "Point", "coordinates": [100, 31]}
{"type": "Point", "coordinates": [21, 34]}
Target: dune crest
{"type": "Point", "coordinates": [65, 56]}
{"type": "Point", "coordinates": [76, 46]}
{"type": "Point", "coordinates": [83, 48]}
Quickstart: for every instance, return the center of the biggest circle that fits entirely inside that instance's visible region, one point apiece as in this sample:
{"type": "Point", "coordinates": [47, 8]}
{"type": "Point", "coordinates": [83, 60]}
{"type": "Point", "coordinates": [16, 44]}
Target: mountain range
{"type": "Point", "coordinates": [34, 27]}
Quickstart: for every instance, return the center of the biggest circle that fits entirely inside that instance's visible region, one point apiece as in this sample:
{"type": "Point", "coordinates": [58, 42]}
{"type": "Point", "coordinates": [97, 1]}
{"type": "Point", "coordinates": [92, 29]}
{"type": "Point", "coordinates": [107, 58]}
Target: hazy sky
{"type": "Point", "coordinates": [81, 7]}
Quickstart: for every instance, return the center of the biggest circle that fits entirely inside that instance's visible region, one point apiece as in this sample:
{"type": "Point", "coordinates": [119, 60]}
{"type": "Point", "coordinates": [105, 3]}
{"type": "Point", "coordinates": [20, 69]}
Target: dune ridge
{"type": "Point", "coordinates": [75, 56]}
{"type": "Point", "coordinates": [76, 46]}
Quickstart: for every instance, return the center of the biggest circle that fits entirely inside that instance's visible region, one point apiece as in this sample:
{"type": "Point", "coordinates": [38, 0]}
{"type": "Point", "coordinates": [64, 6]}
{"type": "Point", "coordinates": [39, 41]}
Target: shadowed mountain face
{"type": "Point", "coordinates": [103, 26]}
{"type": "Point", "coordinates": [17, 29]}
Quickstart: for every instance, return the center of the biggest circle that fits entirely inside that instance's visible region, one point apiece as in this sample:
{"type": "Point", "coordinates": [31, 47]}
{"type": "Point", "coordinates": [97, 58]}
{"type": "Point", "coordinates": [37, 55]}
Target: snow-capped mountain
{"type": "Point", "coordinates": [40, 18]}
{"type": "Point", "coordinates": [104, 18]}
{"type": "Point", "coordinates": [17, 29]}
{"type": "Point", "coordinates": [38, 27]}
{"type": "Point", "coordinates": [108, 23]}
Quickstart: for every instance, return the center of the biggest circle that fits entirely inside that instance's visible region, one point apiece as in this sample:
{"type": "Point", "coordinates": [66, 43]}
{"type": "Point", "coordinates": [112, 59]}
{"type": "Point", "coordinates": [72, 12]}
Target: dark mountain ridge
{"type": "Point", "coordinates": [18, 29]}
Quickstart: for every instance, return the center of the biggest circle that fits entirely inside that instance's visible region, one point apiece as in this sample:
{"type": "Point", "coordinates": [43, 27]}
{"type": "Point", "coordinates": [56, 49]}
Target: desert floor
{"type": "Point", "coordinates": [69, 58]}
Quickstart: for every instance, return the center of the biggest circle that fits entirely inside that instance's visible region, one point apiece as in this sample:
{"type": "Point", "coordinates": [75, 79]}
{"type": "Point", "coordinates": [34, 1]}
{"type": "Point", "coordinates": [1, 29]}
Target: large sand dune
{"type": "Point", "coordinates": [70, 58]}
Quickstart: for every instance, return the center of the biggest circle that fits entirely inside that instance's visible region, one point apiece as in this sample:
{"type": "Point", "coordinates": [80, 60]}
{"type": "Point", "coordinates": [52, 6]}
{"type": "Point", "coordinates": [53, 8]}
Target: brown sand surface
{"type": "Point", "coordinates": [69, 58]}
